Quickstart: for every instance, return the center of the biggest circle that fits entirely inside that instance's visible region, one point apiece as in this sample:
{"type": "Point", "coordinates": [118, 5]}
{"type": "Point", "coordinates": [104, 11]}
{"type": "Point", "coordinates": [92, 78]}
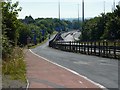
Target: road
{"type": "Point", "coordinates": [41, 73]}
{"type": "Point", "coordinates": [71, 35]}
{"type": "Point", "coordinates": [100, 70]}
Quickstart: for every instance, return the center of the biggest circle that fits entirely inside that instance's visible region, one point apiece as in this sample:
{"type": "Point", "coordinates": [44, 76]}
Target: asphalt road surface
{"type": "Point", "coordinates": [71, 35]}
{"type": "Point", "coordinates": [100, 70]}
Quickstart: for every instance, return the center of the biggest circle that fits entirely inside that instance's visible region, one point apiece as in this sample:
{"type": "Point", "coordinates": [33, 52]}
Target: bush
{"type": "Point", "coordinates": [6, 48]}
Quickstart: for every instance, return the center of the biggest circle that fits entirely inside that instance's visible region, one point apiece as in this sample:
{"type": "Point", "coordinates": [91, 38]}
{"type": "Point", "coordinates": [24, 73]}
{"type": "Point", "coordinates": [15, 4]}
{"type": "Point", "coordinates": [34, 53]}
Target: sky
{"type": "Point", "coordinates": [68, 8]}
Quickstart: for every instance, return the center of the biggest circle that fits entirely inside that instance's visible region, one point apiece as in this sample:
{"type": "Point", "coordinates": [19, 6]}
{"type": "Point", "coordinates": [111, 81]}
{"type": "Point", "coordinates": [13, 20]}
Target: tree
{"type": "Point", "coordinates": [10, 26]}
{"type": "Point", "coordinates": [9, 20]}
{"type": "Point", "coordinates": [29, 19]}
{"type": "Point", "coordinates": [103, 27]}
{"type": "Point", "coordinates": [112, 29]}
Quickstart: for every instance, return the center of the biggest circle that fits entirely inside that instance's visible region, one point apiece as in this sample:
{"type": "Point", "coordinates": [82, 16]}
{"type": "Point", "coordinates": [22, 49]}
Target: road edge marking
{"type": "Point", "coordinates": [74, 72]}
{"type": "Point", "coordinates": [27, 84]}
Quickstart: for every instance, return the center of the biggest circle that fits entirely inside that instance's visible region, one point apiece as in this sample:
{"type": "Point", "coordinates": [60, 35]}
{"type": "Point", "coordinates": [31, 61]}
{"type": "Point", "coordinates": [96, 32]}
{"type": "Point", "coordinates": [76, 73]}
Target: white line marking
{"type": "Point", "coordinates": [97, 84]}
{"type": "Point", "coordinates": [27, 84]}
{"type": "Point", "coordinates": [80, 82]}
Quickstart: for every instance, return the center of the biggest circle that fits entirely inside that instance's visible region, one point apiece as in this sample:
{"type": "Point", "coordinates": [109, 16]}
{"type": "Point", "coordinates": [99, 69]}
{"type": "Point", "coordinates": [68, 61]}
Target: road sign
{"type": "Point", "coordinates": [33, 31]}
{"type": "Point", "coordinates": [34, 39]}
{"type": "Point", "coordinates": [43, 32]}
{"type": "Point", "coordinates": [58, 29]}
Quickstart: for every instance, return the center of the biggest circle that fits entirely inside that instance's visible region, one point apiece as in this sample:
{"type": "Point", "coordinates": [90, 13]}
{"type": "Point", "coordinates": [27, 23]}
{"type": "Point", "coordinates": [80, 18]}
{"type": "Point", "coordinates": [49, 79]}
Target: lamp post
{"type": "Point", "coordinates": [78, 18]}
{"type": "Point", "coordinates": [59, 10]}
{"type": "Point", "coordinates": [82, 14]}
{"type": "Point", "coordinates": [59, 15]}
{"type": "Point", "coordinates": [104, 7]}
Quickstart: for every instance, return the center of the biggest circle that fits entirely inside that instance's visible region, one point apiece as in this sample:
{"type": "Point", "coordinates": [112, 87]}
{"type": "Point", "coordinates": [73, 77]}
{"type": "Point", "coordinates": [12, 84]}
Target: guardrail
{"type": "Point", "coordinates": [109, 49]}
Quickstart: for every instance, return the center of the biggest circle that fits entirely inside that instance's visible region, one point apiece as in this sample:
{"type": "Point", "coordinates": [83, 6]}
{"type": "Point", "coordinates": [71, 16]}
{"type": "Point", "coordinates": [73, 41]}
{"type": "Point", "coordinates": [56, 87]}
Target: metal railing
{"type": "Point", "coordinates": [109, 49]}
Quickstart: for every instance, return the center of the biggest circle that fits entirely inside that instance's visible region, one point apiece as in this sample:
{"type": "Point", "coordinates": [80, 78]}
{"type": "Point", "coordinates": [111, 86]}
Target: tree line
{"type": "Point", "coordinates": [15, 32]}
{"type": "Point", "coordinates": [38, 29]}
{"type": "Point", "coordinates": [103, 27]}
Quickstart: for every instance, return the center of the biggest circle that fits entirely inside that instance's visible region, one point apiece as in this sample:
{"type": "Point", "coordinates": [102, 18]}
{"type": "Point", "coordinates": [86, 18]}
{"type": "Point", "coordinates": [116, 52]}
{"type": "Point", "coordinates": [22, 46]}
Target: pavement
{"type": "Point", "coordinates": [44, 74]}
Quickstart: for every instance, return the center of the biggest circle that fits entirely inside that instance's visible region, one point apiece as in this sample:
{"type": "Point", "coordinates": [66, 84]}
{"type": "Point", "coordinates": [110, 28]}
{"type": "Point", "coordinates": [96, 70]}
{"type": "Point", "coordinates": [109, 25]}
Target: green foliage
{"type": "Point", "coordinates": [12, 57]}
{"type": "Point", "coordinates": [10, 26]}
{"type": "Point", "coordinates": [29, 19]}
{"type": "Point", "coordinates": [76, 24]}
{"type": "Point", "coordinates": [102, 27]}
{"type": "Point", "coordinates": [6, 49]}
{"type": "Point", "coordinates": [18, 31]}
{"type": "Point", "coordinates": [33, 27]}
{"type": "Point", "coordinates": [9, 20]}
{"type": "Point", "coordinates": [15, 66]}
{"type": "Point", "coordinates": [23, 31]}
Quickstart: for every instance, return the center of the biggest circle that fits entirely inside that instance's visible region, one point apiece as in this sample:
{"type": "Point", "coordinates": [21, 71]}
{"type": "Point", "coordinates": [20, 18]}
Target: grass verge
{"type": "Point", "coordinates": [15, 66]}
{"type": "Point", "coordinates": [34, 46]}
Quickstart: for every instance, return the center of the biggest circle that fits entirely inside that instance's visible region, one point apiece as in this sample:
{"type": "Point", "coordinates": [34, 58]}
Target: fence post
{"type": "Point", "coordinates": [76, 47]}
{"type": "Point", "coordinates": [114, 49]}
{"type": "Point", "coordinates": [103, 48]}
{"type": "Point", "coordinates": [64, 46]}
{"type": "Point", "coordinates": [109, 48]}
{"type": "Point", "coordinates": [61, 46]}
{"type": "Point", "coordinates": [99, 47]}
{"type": "Point", "coordinates": [95, 47]}
{"type": "Point", "coordinates": [91, 47]}
{"type": "Point", "coordinates": [84, 47]}
{"type": "Point", "coordinates": [55, 45]}
{"type": "Point", "coordinates": [106, 48]}
{"type": "Point", "coordinates": [70, 46]}
{"type": "Point", "coordinates": [73, 46]}
{"type": "Point", "coordinates": [88, 47]}
{"type": "Point", "coordinates": [79, 47]}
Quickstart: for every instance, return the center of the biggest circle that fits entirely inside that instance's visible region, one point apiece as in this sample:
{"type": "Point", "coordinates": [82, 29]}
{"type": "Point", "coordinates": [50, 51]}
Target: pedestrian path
{"type": "Point", "coordinates": [43, 74]}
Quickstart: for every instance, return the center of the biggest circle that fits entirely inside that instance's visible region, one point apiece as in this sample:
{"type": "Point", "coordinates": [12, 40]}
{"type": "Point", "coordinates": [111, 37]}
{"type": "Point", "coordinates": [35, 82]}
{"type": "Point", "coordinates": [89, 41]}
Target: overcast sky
{"type": "Point", "coordinates": [69, 8]}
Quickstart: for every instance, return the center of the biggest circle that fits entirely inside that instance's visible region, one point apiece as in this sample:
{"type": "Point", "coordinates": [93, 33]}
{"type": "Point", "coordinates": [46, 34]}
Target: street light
{"type": "Point", "coordinates": [59, 14]}
{"type": "Point", "coordinates": [82, 14]}
{"type": "Point", "coordinates": [78, 12]}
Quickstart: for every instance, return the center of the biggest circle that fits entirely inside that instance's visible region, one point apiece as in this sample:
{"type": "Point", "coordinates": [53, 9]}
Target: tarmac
{"type": "Point", "coordinates": [43, 74]}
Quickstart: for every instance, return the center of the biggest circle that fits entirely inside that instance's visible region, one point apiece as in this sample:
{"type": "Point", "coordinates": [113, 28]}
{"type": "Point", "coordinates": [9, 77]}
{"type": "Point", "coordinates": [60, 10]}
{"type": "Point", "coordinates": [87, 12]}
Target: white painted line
{"type": "Point", "coordinates": [80, 82]}
{"type": "Point", "coordinates": [74, 72]}
{"type": "Point", "coordinates": [27, 84]}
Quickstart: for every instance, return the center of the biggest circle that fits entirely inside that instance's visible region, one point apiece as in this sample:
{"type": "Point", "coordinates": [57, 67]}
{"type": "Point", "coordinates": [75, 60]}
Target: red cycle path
{"type": "Point", "coordinates": [43, 74]}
